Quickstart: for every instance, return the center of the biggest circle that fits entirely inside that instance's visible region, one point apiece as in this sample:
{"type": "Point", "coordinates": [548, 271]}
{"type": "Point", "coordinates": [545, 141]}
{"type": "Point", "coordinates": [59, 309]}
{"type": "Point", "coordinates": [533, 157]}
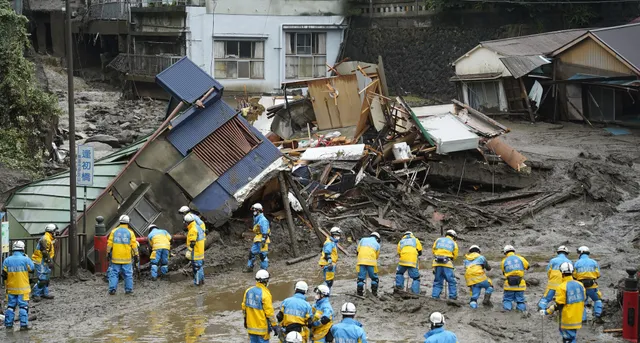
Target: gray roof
{"type": "Point", "coordinates": [520, 66]}
{"type": "Point", "coordinates": [538, 44]}
{"type": "Point", "coordinates": [623, 40]}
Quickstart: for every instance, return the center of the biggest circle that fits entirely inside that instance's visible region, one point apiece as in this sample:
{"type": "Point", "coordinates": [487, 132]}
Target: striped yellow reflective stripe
{"type": "Point", "coordinates": [120, 260]}
{"type": "Point", "coordinates": [408, 263]}
{"type": "Point", "coordinates": [257, 331]}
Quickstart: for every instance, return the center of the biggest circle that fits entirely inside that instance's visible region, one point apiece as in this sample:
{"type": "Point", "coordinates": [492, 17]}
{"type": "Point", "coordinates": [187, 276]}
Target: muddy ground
{"type": "Point", "coordinates": [603, 217]}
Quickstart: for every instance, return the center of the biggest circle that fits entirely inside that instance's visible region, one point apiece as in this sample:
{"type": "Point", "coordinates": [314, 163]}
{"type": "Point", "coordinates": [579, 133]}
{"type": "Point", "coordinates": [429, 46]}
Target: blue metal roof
{"type": "Point", "coordinates": [186, 81]}
{"type": "Point", "coordinates": [199, 124]}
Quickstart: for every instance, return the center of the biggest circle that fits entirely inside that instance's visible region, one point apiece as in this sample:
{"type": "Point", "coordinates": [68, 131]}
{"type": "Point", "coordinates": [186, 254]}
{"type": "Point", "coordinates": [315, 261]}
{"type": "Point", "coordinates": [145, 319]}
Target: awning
{"type": "Point", "coordinates": [476, 77]}
{"type": "Point", "coordinates": [314, 26]}
{"type": "Point", "coordinates": [241, 36]}
{"type": "Point", "coordinates": [520, 66]}
{"type": "Point", "coordinates": [598, 79]}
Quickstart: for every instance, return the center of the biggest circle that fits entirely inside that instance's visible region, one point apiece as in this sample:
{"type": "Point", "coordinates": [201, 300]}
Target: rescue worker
{"type": "Point", "coordinates": [445, 251]}
{"type": "Point", "coordinates": [438, 334]}
{"type": "Point", "coordinates": [295, 312]}
{"type": "Point", "coordinates": [513, 267]}
{"type": "Point", "coordinates": [293, 337]}
{"type": "Point", "coordinates": [569, 300]}
{"type": "Point", "coordinates": [195, 246]}
{"type": "Point", "coordinates": [122, 250]}
{"type": "Point", "coordinates": [409, 248]}
{"type": "Point", "coordinates": [329, 256]}
{"type": "Point", "coordinates": [43, 259]}
{"type": "Point", "coordinates": [184, 210]}
{"type": "Point", "coordinates": [257, 309]}
{"type": "Point", "coordinates": [15, 273]}
{"type": "Point", "coordinates": [261, 241]}
{"type": "Point", "coordinates": [367, 262]}
{"type": "Point", "coordinates": [476, 277]}
{"type": "Point", "coordinates": [587, 271]}
{"type": "Point", "coordinates": [348, 330]}
{"type": "Point", "coordinates": [160, 241]}
{"type": "Point", "coordinates": [322, 314]}
{"type": "Point", "coordinates": [554, 276]}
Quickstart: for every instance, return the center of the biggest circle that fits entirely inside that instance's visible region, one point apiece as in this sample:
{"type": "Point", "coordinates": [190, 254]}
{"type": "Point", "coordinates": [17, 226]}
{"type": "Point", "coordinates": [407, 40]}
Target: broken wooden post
{"type": "Point", "coordinates": [301, 258]}
{"type": "Point", "coordinates": [305, 208]}
{"type": "Point", "coordinates": [287, 209]}
{"type": "Point", "coordinates": [525, 96]}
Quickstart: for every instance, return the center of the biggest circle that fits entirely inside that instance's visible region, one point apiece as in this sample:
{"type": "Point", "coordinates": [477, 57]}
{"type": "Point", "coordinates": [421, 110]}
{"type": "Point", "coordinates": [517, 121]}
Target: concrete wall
{"type": "Point", "coordinates": [58, 34]}
{"type": "Point", "coordinates": [202, 27]}
{"type": "Point", "coordinates": [280, 7]}
{"type": "Point", "coordinates": [481, 61]}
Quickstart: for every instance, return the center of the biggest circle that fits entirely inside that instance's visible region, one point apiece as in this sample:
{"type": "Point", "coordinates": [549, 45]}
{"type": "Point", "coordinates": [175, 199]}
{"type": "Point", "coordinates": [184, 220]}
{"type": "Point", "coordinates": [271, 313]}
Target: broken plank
{"type": "Point", "coordinates": [612, 330]}
{"type": "Point", "coordinates": [352, 216]}
{"type": "Point", "coordinates": [285, 202]}
{"type": "Point", "coordinates": [507, 197]}
{"type": "Point", "coordinates": [305, 208]}
{"type": "Point", "coordinates": [300, 259]}
{"type": "Point", "coordinates": [325, 174]}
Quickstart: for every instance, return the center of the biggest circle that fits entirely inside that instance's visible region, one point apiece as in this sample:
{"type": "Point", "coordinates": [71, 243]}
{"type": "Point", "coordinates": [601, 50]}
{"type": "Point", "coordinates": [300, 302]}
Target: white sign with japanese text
{"type": "Point", "coordinates": [84, 167]}
{"type": "Point", "coordinates": [4, 234]}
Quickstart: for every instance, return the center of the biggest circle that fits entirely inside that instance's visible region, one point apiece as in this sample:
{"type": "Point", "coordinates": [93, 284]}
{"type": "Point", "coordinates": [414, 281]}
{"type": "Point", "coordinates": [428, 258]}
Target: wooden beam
{"type": "Point", "coordinates": [526, 100]}
{"type": "Point", "coordinates": [285, 202]}
{"type": "Point", "coordinates": [305, 208]}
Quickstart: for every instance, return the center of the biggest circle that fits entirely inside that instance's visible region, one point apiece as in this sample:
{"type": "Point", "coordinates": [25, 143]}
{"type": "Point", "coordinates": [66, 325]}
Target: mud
{"type": "Point", "coordinates": [603, 217]}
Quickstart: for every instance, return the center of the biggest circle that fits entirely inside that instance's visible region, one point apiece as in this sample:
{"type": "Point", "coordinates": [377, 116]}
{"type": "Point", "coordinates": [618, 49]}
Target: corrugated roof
{"type": "Point", "coordinates": [47, 201]}
{"type": "Point", "coordinates": [623, 40]}
{"type": "Point", "coordinates": [580, 76]}
{"type": "Point", "coordinates": [538, 44]}
{"type": "Point", "coordinates": [522, 65]}
{"type": "Point", "coordinates": [186, 81]}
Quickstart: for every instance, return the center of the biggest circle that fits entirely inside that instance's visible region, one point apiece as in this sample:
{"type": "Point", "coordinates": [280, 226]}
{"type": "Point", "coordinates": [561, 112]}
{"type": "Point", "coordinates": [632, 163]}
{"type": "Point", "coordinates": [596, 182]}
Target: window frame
{"type": "Point", "coordinates": [314, 55]}
{"type": "Point", "coordinates": [143, 231]}
{"type": "Point", "coordinates": [237, 59]}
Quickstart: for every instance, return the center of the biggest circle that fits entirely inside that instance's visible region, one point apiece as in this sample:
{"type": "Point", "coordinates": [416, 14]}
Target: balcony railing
{"type": "Point", "coordinates": [166, 3]}
{"type": "Point", "coordinates": [142, 65]}
{"type": "Point", "coordinates": [109, 10]}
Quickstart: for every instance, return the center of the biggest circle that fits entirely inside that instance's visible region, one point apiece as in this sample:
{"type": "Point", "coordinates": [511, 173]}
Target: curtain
{"type": "Point", "coordinates": [258, 50]}
{"type": "Point", "coordinates": [289, 43]}
{"type": "Point", "coordinates": [218, 49]}
{"type": "Point", "coordinates": [291, 67]}
{"type": "Point", "coordinates": [257, 70]}
{"type": "Point", "coordinates": [322, 43]}
{"type": "Point", "coordinates": [320, 67]}
{"type": "Point", "coordinates": [306, 67]}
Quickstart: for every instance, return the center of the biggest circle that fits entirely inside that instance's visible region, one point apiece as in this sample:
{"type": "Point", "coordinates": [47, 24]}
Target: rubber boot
{"type": "Point", "coordinates": [360, 291]}
{"type": "Point", "coordinates": [487, 300]}
{"type": "Point", "coordinates": [374, 290]}
{"type": "Point", "coordinates": [25, 328]}
{"type": "Point", "coordinates": [112, 292]}
{"type": "Point", "coordinates": [36, 299]}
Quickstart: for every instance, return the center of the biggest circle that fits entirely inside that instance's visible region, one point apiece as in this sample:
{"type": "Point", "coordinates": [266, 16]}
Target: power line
{"type": "Point", "coordinates": [554, 2]}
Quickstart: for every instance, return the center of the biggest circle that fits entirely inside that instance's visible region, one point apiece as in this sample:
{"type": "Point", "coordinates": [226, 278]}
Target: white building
{"type": "Point", "coordinates": [259, 44]}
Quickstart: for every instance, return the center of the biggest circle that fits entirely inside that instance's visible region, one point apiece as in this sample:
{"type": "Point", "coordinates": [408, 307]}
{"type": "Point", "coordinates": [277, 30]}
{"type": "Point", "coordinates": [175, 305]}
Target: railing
{"type": "Point", "coordinates": [61, 259]}
{"type": "Point", "coordinates": [167, 3]}
{"type": "Point", "coordinates": [145, 65]}
{"type": "Point", "coordinates": [392, 9]}
{"type": "Point", "coordinates": [109, 10]}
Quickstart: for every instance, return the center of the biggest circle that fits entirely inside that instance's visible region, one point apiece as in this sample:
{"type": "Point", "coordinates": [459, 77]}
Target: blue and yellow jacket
{"type": "Point", "coordinates": [368, 253]}
{"type": "Point", "coordinates": [44, 247]}
{"type": "Point", "coordinates": [262, 230]}
{"type": "Point", "coordinates": [322, 308]}
{"type": "Point", "coordinates": [159, 239]}
{"type": "Point", "coordinates": [570, 295]}
{"type": "Point", "coordinates": [197, 235]}
{"type": "Point", "coordinates": [17, 267]}
{"type": "Point", "coordinates": [444, 247]}
{"type": "Point", "coordinates": [514, 265]}
{"type": "Point", "coordinates": [296, 310]}
{"type": "Point", "coordinates": [475, 266]}
{"type": "Point", "coordinates": [122, 244]}
{"type": "Point", "coordinates": [329, 252]}
{"type": "Point", "coordinates": [409, 248]}
{"type": "Point", "coordinates": [440, 335]}
{"type": "Point", "coordinates": [257, 308]}
{"type": "Point", "coordinates": [586, 268]}
{"type": "Point", "coordinates": [553, 271]}
{"type": "Point", "coordinates": [348, 331]}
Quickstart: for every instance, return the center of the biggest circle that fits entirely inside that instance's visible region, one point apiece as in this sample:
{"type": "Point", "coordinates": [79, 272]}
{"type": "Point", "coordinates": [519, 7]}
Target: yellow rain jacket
{"type": "Point", "coordinates": [257, 308]}
{"type": "Point", "coordinates": [45, 244]}
{"type": "Point", "coordinates": [368, 253]}
{"type": "Point", "coordinates": [513, 267]}
{"type": "Point", "coordinates": [17, 268]}
{"type": "Point", "coordinates": [554, 275]}
{"type": "Point", "coordinates": [570, 295]}
{"type": "Point", "coordinates": [122, 245]}
{"type": "Point", "coordinates": [409, 248]}
{"type": "Point", "coordinates": [587, 269]}
{"type": "Point", "coordinates": [330, 250]}
{"type": "Point", "coordinates": [475, 266]}
{"type": "Point", "coordinates": [261, 228]}
{"type": "Point", "coordinates": [444, 247]}
{"type": "Point", "coordinates": [195, 234]}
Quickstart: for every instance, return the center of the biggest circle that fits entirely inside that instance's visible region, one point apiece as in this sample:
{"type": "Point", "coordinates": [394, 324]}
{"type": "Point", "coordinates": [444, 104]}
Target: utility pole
{"type": "Point", "coordinates": [73, 245]}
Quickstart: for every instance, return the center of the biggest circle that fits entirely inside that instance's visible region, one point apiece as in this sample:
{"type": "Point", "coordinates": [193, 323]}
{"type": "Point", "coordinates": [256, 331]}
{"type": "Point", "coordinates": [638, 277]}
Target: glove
{"type": "Point", "coordinates": [543, 312]}
{"type": "Point", "coordinates": [276, 330]}
{"type": "Point", "coordinates": [324, 320]}
{"type": "Point", "coordinates": [109, 257]}
{"type": "Point", "coordinates": [245, 322]}
{"type": "Point", "coordinates": [47, 260]}
{"type": "Point", "coordinates": [51, 265]}
{"type": "Point", "coordinates": [136, 259]}
{"type": "Point", "coordinates": [192, 245]}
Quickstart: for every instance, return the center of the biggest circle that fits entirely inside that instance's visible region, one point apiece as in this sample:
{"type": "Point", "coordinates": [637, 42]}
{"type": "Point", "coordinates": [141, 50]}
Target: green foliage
{"type": "Point", "coordinates": [26, 111]}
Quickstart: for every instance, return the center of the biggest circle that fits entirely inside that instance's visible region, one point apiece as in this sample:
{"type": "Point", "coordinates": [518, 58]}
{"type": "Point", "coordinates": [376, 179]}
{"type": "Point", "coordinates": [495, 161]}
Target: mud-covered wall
{"type": "Point", "coordinates": [418, 51]}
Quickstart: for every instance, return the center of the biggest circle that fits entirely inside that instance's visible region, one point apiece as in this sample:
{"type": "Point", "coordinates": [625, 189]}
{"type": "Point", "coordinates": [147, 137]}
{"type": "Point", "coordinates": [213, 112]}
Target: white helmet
{"type": "Point", "coordinates": [583, 250]}
{"type": "Point", "coordinates": [323, 290]}
{"type": "Point", "coordinates": [257, 206]}
{"type": "Point", "coordinates": [348, 309]}
{"type": "Point", "coordinates": [51, 228]}
{"type": "Point", "coordinates": [563, 249]}
{"type": "Point", "coordinates": [302, 286]}
{"type": "Point", "coordinates": [335, 231]}
{"type": "Point", "coordinates": [153, 226]}
{"type": "Point", "coordinates": [18, 245]}
{"type": "Point", "coordinates": [184, 210]}
{"type": "Point", "coordinates": [566, 268]}
{"type": "Point", "coordinates": [508, 248]}
{"type": "Point", "coordinates": [262, 276]}
{"type": "Point", "coordinates": [436, 319]}
{"type": "Point", "coordinates": [376, 235]}
{"type": "Point", "coordinates": [474, 247]}
{"type": "Point", "coordinates": [188, 218]}
{"type": "Point", "coordinates": [408, 233]}
{"type": "Point", "coordinates": [453, 234]}
{"type": "Point", "coordinates": [124, 219]}
{"type": "Point", "coordinates": [293, 337]}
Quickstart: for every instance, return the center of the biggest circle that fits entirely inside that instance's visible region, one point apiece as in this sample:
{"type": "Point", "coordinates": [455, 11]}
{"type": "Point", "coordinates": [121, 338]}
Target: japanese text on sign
{"type": "Point", "coordinates": [84, 166]}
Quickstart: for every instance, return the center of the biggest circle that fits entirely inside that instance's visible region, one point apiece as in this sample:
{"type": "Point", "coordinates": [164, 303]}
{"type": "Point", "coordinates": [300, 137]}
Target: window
{"type": "Point", "coordinates": [306, 55]}
{"type": "Point", "coordinates": [239, 59]}
{"type": "Point", "coordinates": [484, 96]}
{"type": "Point", "coordinates": [142, 214]}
